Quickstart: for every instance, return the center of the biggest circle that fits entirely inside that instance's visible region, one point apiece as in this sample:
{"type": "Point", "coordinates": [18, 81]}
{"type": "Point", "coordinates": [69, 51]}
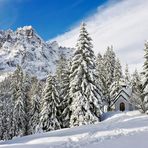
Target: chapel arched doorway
{"type": "Point", "coordinates": [122, 107]}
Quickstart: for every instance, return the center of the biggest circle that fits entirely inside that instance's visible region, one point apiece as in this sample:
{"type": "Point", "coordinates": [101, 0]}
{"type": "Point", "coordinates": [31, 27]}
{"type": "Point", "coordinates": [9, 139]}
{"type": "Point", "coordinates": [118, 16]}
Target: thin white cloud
{"type": "Point", "coordinates": [122, 24]}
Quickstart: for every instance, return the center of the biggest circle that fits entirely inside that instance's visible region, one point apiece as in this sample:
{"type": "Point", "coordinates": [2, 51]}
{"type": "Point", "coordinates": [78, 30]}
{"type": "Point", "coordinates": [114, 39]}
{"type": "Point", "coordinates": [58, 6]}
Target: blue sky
{"type": "Point", "coordinates": [49, 17]}
{"type": "Point", "coordinates": [121, 23]}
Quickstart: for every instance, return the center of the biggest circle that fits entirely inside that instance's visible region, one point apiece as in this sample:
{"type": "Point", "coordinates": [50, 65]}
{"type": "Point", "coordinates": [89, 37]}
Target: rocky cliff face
{"type": "Point", "coordinates": [26, 48]}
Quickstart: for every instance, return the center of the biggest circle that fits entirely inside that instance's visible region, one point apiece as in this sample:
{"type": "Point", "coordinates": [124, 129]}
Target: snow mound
{"type": "Point", "coordinates": [119, 129]}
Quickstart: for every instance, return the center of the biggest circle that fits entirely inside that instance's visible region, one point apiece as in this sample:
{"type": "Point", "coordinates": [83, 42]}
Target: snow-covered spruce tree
{"type": "Point", "coordinates": [127, 76]}
{"type": "Point", "coordinates": [84, 90]}
{"type": "Point", "coordinates": [109, 62]}
{"type": "Point", "coordinates": [5, 110]}
{"type": "Point", "coordinates": [66, 99]}
{"type": "Point", "coordinates": [145, 79]}
{"type": "Point", "coordinates": [49, 106]}
{"type": "Point", "coordinates": [7, 117]}
{"type": "Point", "coordinates": [13, 91]}
{"type": "Point", "coordinates": [1, 117]}
{"type": "Point", "coordinates": [100, 67]}
{"type": "Point", "coordinates": [35, 108]}
{"type": "Point", "coordinates": [137, 97]}
{"type": "Point", "coordinates": [62, 78]}
{"type": "Point", "coordinates": [8, 108]}
{"type": "Point", "coordinates": [115, 86]}
{"type": "Point", "coordinates": [26, 90]}
{"type": "Point", "coordinates": [19, 114]}
{"type": "Point", "coordinates": [61, 66]}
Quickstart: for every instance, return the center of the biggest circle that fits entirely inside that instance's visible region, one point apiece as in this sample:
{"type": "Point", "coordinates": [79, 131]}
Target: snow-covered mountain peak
{"type": "Point", "coordinates": [26, 48]}
{"type": "Point", "coordinates": [26, 28]}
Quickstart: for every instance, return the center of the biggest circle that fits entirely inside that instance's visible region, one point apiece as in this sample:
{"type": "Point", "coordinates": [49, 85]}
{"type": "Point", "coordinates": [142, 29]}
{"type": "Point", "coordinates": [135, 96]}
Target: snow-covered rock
{"type": "Point", "coordinates": [26, 48]}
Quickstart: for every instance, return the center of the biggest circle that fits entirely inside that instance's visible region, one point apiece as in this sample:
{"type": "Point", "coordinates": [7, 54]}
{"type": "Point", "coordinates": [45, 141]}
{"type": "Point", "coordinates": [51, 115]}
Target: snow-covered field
{"type": "Point", "coordinates": [118, 130]}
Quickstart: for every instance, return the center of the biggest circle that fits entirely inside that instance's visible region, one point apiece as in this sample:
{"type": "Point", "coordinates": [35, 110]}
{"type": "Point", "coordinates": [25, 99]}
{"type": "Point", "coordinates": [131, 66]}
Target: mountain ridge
{"type": "Point", "coordinates": [26, 48]}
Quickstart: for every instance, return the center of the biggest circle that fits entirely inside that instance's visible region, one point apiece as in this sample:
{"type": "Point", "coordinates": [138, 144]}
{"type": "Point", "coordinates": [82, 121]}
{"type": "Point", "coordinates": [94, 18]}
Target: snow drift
{"type": "Point", "coordinates": [119, 129]}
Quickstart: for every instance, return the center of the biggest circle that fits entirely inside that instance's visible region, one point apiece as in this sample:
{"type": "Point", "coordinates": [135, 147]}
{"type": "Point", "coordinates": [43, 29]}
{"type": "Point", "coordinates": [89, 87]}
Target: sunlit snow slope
{"type": "Point", "coordinates": [118, 130]}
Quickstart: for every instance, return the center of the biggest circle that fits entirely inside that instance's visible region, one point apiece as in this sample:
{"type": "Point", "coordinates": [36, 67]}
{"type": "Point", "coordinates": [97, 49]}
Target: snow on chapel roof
{"type": "Point", "coordinates": [125, 92]}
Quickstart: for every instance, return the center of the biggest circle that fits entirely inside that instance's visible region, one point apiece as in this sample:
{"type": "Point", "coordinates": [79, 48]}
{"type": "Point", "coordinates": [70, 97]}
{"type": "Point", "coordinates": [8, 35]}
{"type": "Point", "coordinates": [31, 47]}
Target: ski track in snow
{"type": "Point", "coordinates": [115, 126]}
